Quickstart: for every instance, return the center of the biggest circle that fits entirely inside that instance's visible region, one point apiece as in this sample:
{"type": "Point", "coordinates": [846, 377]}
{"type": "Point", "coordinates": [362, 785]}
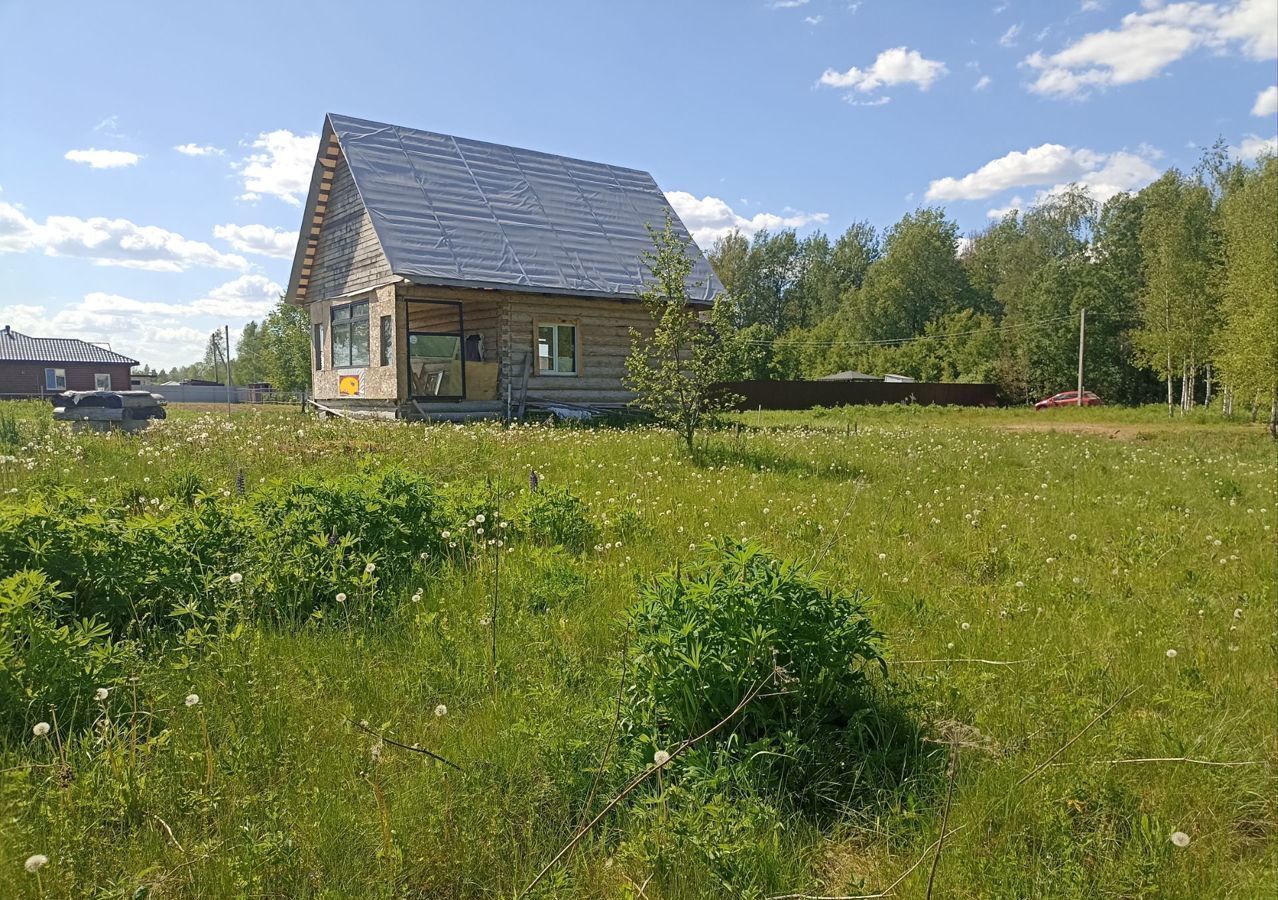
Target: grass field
{"type": "Point", "coordinates": [1079, 620]}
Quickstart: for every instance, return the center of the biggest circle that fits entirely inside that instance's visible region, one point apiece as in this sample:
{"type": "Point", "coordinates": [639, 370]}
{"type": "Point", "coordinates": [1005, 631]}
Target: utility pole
{"type": "Point", "coordinates": [1082, 328]}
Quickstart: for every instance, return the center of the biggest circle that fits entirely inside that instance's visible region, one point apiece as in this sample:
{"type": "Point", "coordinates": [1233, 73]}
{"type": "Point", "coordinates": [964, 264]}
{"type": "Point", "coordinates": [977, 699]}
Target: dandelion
{"type": "Point", "coordinates": [370, 568]}
{"type": "Point", "coordinates": [1180, 839]}
{"type": "Point", "coordinates": [441, 711]}
{"type": "Point", "coordinates": [1020, 584]}
{"type": "Point", "coordinates": [1073, 537]}
{"type": "Point", "coordinates": [35, 862]}
{"type": "Point", "coordinates": [660, 758]}
{"type": "Point", "coordinates": [1171, 653]}
{"type": "Point", "coordinates": [480, 518]}
{"type": "Point", "coordinates": [882, 556]}
{"type": "Point", "coordinates": [445, 534]}
{"type": "Point", "coordinates": [40, 729]}
{"type": "Point", "coordinates": [965, 626]}
{"type": "Point", "coordinates": [101, 694]}
{"type": "Point", "coordinates": [340, 598]}
{"type": "Point", "coordinates": [192, 700]}
{"type": "Point", "coordinates": [235, 578]}
{"type": "Point", "coordinates": [1238, 614]}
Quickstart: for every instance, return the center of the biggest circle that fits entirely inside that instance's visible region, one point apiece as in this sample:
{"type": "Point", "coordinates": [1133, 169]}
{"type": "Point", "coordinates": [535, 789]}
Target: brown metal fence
{"type": "Point", "coordinates": [807, 394]}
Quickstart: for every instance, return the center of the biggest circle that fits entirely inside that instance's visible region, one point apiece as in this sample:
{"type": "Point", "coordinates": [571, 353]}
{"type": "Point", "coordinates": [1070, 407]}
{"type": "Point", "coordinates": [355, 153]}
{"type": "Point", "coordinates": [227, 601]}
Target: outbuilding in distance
{"type": "Point", "coordinates": [38, 366]}
{"type": "Point", "coordinates": [444, 275]}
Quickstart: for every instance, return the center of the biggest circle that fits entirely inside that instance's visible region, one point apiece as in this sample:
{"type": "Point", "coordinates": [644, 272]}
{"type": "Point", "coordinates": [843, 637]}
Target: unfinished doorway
{"type": "Point", "coordinates": [436, 361]}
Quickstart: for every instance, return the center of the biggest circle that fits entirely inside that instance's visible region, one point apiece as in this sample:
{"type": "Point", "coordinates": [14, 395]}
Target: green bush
{"type": "Point", "coordinates": [705, 635]}
{"type": "Point", "coordinates": [315, 539]}
{"type": "Point", "coordinates": [47, 662]}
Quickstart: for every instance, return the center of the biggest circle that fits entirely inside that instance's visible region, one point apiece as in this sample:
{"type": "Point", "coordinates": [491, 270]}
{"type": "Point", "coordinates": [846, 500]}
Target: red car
{"type": "Point", "coordinates": [1068, 398]}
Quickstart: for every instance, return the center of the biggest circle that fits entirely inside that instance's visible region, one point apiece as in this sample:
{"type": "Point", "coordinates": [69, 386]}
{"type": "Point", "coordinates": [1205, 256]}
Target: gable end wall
{"type": "Point", "coordinates": [348, 256]}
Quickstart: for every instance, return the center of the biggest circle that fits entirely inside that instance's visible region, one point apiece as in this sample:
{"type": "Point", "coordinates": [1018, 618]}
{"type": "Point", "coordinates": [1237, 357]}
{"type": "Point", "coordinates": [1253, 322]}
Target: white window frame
{"type": "Point", "coordinates": [55, 379]}
{"type": "Point", "coordinates": [98, 378]}
{"type": "Point", "coordinates": [554, 348]}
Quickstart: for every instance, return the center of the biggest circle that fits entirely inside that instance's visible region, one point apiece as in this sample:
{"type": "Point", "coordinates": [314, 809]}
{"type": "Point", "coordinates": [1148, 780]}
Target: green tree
{"type": "Point", "coordinates": [673, 369]}
{"type": "Point", "coordinates": [1247, 346]}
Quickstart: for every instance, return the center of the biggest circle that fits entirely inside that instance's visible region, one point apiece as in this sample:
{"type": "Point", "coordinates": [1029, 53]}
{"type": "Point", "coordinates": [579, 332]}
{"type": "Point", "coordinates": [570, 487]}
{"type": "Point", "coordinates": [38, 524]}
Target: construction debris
{"type": "Point", "coordinates": [108, 410]}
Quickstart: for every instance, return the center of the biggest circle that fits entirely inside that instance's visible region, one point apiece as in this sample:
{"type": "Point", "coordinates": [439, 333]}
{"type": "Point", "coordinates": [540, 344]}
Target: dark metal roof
{"type": "Point", "coordinates": [18, 347]}
{"type": "Point", "coordinates": [458, 212]}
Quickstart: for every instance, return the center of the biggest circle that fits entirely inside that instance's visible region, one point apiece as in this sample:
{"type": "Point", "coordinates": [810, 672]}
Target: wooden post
{"type": "Point", "coordinates": [227, 333]}
{"type": "Point", "coordinates": [1082, 326]}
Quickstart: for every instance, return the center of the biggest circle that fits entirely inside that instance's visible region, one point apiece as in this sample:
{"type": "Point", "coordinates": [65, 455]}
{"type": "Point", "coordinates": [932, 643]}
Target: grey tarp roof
{"type": "Point", "coordinates": [18, 347]}
{"type": "Point", "coordinates": [453, 211]}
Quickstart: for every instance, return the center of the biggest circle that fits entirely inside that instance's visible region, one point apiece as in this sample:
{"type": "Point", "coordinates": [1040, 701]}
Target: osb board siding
{"type": "Point", "coordinates": [377, 382]}
{"type": "Point", "coordinates": [26, 379]}
{"type": "Point", "coordinates": [348, 256]}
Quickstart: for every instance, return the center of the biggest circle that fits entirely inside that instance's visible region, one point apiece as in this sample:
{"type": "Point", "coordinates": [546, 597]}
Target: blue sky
{"type": "Point", "coordinates": [155, 154]}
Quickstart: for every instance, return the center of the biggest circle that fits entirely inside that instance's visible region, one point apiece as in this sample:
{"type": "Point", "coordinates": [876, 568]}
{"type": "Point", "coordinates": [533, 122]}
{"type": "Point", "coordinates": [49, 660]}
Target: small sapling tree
{"type": "Point", "coordinates": [674, 368]}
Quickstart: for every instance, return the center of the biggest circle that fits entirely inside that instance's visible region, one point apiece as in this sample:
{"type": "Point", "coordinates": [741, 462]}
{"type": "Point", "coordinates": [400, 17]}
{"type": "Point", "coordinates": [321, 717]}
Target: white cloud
{"type": "Point", "coordinates": [199, 150]}
{"type": "Point", "coordinates": [1266, 102]}
{"type": "Point", "coordinates": [1051, 164]}
{"type": "Point", "coordinates": [788, 4]}
{"type": "Point", "coordinates": [813, 20]}
{"type": "Point", "coordinates": [103, 159]}
{"type": "Point", "coordinates": [982, 83]}
{"type": "Point", "coordinates": [1253, 147]}
{"type": "Point", "coordinates": [258, 239]}
{"type": "Point", "coordinates": [109, 242]}
{"type": "Point", "coordinates": [898, 65]}
{"type": "Point", "coordinates": [1091, 6]}
{"type": "Point", "coordinates": [1145, 43]}
{"type": "Point", "coordinates": [281, 167]}
{"type": "Point", "coordinates": [1009, 37]}
{"type": "Point", "coordinates": [157, 333]}
{"type": "Point", "coordinates": [710, 218]}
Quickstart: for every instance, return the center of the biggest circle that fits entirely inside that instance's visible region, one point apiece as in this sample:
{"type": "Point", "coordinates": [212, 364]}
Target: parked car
{"type": "Point", "coordinates": [1068, 398]}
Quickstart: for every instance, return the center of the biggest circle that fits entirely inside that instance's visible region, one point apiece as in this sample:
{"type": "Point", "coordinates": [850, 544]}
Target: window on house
{"type": "Point", "coordinates": [55, 379]}
{"type": "Point", "coordinates": [317, 345]}
{"type": "Point", "coordinates": [387, 340]}
{"type": "Point", "coordinates": [102, 382]}
{"type": "Point", "coordinates": [350, 335]}
{"type": "Point", "coordinates": [556, 349]}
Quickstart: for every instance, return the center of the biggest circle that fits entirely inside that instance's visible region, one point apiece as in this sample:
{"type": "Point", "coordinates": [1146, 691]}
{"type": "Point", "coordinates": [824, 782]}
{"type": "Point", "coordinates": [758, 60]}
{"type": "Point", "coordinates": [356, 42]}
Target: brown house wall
{"type": "Point", "coordinates": [26, 379]}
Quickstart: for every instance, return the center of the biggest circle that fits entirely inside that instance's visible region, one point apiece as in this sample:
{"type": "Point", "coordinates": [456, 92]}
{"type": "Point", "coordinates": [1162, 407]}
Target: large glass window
{"type": "Point", "coordinates": [350, 335]}
{"type": "Point", "coordinates": [556, 349]}
{"type": "Point", "coordinates": [387, 340]}
{"type": "Point", "coordinates": [55, 379]}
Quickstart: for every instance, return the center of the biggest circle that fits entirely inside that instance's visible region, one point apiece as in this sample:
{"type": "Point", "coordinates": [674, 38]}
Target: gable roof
{"type": "Point", "coordinates": [456, 212]}
{"type": "Point", "coordinates": [18, 347]}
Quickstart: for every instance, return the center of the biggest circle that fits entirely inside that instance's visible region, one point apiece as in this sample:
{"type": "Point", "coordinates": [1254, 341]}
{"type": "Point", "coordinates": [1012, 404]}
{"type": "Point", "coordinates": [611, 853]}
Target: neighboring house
{"type": "Point", "coordinates": [444, 274]}
{"type": "Point", "coordinates": [35, 366]}
{"type": "Point", "coordinates": [849, 376]}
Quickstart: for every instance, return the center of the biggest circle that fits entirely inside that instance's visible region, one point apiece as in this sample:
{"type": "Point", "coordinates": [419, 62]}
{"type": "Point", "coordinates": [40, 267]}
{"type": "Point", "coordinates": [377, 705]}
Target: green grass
{"type": "Point", "coordinates": [1029, 571]}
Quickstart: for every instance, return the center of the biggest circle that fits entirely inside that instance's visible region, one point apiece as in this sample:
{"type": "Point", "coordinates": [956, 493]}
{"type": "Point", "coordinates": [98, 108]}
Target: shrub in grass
{"type": "Point", "coordinates": [315, 539]}
{"type": "Point", "coordinates": [708, 633]}
{"type": "Point", "coordinates": [48, 662]}
{"type": "Point", "coordinates": [554, 515]}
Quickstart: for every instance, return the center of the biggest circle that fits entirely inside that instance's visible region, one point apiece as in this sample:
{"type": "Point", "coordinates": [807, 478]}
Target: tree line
{"type": "Point", "coordinates": [1179, 280]}
{"type": "Point", "coordinates": [275, 351]}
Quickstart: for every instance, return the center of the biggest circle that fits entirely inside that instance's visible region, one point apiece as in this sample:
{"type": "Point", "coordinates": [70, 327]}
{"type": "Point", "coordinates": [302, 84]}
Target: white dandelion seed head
{"type": "Point", "coordinates": [35, 862]}
{"type": "Point", "coordinates": [40, 729]}
{"type": "Point", "coordinates": [441, 710]}
{"type": "Point", "coordinates": [340, 598]}
{"type": "Point", "coordinates": [480, 518]}
{"type": "Point", "coordinates": [660, 758]}
{"type": "Point", "coordinates": [370, 568]}
{"type": "Point", "coordinates": [1171, 653]}
{"type": "Point", "coordinates": [1180, 839]}
{"type": "Point", "coordinates": [445, 534]}
{"type": "Point", "coordinates": [965, 626]}
{"type": "Point", "coordinates": [235, 578]}
{"type": "Point", "coordinates": [192, 699]}
{"type": "Point", "coordinates": [101, 694]}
